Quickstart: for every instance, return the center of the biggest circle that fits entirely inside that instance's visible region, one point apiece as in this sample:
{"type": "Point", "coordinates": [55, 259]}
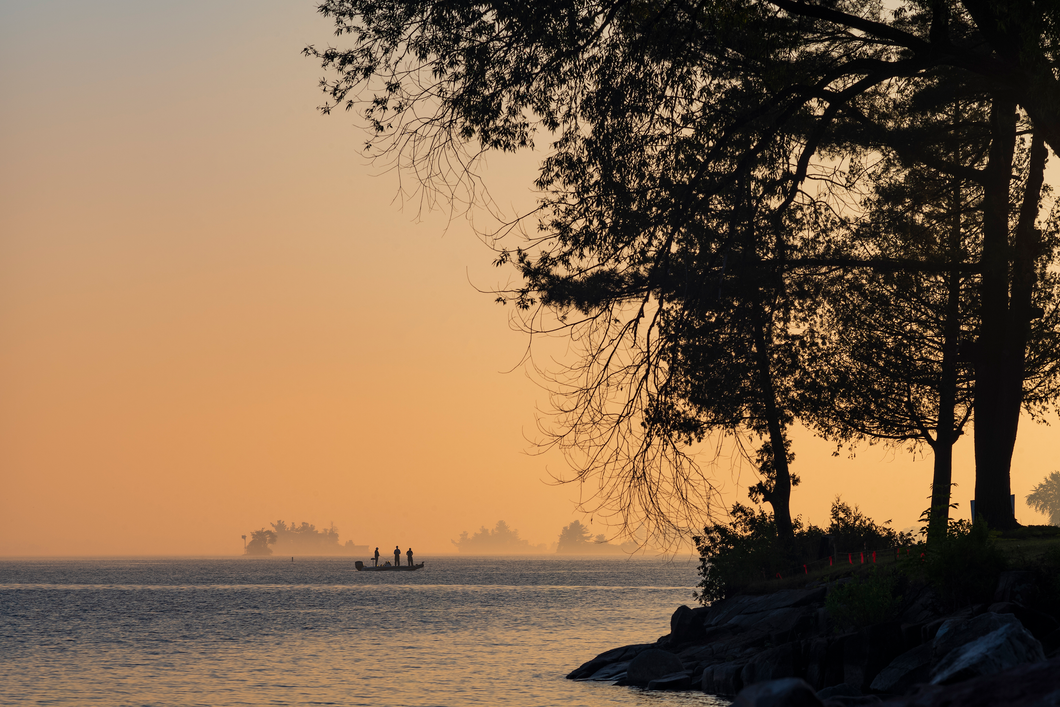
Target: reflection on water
{"type": "Point", "coordinates": [266, 632]}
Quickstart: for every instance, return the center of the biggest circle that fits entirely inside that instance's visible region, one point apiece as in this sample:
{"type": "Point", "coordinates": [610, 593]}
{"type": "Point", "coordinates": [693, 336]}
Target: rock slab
{"type": "Point", "coordinates": [652, 664]}
{"type": "Point", "coordinates": [1006, 647]}
{"type": "Point", "coordinates": [788, 692]}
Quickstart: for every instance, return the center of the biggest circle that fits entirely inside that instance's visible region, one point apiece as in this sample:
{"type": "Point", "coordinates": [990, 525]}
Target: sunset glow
{"type": "Point", "coordinates": [216, 313]}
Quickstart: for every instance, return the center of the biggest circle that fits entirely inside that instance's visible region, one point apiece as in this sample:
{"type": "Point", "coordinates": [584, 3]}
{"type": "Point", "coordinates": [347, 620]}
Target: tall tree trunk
{"type": "Point", "coordinates": [945, 431]}
{"type": "Point", "coordinates": [994, 432]}
{"type": "Point", "coordinates": [779, 496]}
{"type": "Point", "coordinates": [1005, 324]}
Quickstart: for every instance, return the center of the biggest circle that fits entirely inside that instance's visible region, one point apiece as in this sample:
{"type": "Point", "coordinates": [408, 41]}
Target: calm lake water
{"type": "Point", "coordinates": [462, 631]}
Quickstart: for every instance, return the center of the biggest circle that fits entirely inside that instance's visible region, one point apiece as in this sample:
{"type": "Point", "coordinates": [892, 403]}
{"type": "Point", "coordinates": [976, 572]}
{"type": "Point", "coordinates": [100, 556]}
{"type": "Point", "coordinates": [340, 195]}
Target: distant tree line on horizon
{"type": "Point", "coordinates": [574, 539]}
{"type": "Point", "coordinates": [302, 539]}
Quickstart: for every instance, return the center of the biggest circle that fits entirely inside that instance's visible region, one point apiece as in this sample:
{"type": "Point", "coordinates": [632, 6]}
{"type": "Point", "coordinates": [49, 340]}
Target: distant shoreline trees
{"type": "Point", "coordinates": [574, 539]}
{"type": "Point", "coordinates": [303, 539]}
{"type": "Point", "coordinates": [502, 540]}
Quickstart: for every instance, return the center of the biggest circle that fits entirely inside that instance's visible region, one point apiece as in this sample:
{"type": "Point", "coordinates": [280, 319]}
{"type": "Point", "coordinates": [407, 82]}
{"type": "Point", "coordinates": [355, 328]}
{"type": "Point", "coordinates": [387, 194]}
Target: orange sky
{"type": "Point", "coordinates": [214, 314]}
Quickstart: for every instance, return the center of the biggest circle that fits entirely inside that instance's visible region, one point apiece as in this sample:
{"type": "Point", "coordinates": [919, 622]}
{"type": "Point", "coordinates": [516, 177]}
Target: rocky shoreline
{"type": "Point", "coordinates": [782, 649]}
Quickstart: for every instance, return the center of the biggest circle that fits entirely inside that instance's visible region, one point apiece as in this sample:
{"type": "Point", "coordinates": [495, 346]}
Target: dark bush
{"type": "Point", "coordinates": [965, 566]}
{"type": "Point", "coordinates": [870, 598]}
{"type": "Point", "coordinates": [853, 531]}
{"type": "Point", "coordinates": [744, 551]}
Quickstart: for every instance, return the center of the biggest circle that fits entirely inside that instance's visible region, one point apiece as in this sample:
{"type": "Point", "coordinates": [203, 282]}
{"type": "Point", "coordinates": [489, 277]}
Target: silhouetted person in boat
{"type": "Point", "coordinates": [409, 553]}
{"type": "Point", "coordinates": [377, 557]}
{"type": "Point", "coordinates": [397, 556]}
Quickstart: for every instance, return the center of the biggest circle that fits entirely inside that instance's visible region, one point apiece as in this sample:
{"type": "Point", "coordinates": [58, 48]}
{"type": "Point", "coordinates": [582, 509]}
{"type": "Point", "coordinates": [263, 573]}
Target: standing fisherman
{"type": "Point", "coordinates": [409, 554]}
{"type": "Point", "coordinates": [377, 557]}
{"type": "Point", "coordinates": [397, 556]}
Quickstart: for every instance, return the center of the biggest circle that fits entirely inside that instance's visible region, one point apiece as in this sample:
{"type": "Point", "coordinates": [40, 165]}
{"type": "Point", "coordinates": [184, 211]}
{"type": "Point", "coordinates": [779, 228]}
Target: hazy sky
{"type": "Point", "coordinates": [214, 313]}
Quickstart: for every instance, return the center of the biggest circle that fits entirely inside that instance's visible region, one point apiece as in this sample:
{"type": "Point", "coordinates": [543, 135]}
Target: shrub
{"type": "Point", "coordinates": [853, 531]}
{"type": "Point", "coordinates": [865, 600]}
{"type": "Point", "coordinates": [964, 567]}
{"type": "Point", "coordinates": [744, 551]}
{"type": "Point", "coordinates": [736, 554]}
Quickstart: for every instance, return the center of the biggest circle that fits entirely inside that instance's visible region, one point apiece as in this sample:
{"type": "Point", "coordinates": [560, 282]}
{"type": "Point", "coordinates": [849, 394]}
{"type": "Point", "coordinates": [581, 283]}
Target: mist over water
{"type": "Point", "coordinates": [463, 631]}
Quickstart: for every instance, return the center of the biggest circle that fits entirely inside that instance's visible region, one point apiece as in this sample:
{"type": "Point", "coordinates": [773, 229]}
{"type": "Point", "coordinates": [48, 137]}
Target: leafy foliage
{"type": "Point", "coordinates": [744, 551]}
{"type": "Point", "coordinates": [867, 599]}
{"type": "Point", "coordinates": [703, 163]}
{"type": "Point", "coordinates": [964, 567]}
{"type": "Point", "coordinates": [853, 531]}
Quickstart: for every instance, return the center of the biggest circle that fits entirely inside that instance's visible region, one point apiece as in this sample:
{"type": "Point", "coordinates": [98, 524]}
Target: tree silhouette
{"type": "Point", "coordinates": [260, 541]}
{"type": "Point", "coordinates": [301, 539]}
{"type": "Point", "coordinates": [1045, 497]}
{"type": "Point", "coordinates": [902, 343]}
{"type": "Point", "coordinates": [667, 122]}
{"type": "Point", "coordinates": [573, 538]}
{"type": "Point", "coordinates": [501, 540]}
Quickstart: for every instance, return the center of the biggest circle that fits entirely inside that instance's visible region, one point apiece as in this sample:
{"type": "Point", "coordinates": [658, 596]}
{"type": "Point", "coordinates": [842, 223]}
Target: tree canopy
{"type": "Point", "coordinates": [704, 162]}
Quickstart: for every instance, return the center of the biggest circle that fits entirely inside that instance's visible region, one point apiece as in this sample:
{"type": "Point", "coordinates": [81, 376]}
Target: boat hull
{"type": "Point", "coordinates": [361, 567]}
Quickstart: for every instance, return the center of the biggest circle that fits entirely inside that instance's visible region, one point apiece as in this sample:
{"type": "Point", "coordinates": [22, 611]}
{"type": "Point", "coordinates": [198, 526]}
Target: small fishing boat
{"type": "Point", "coordinates": [361, 567]}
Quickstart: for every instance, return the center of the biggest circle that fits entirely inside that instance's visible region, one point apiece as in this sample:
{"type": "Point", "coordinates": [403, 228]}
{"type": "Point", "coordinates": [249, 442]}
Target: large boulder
{"type": "Point", "coordinates": [789, 692]}
{"type": "Point", "coordinates": [616, 655]}
{"type": "Point", "coordinates": [910, 668]}
{"type": "Point", "coordinates": [686, 625]}
{"type": "Point", "coordinates": [723, 678]}
{"type": "Point", "coordinates": [1006, 647]}
{"type": "Point", "coordinates": [869, 651]}
{"type": "Point", "coordinates": [920, 606]}
{"type": "Point", "coordinates": [1033, 685]}
{"type": "Point", "coordinates": [816, 657]}
{"type": "Point", "coordinates": [840, 690]}
{"type": "Point", "coordinates": [788, 621]}
{"type": "Point", "coordinates": [772, 664]}
{"type": "Point", "coordinates": [1040, 625]}
{"type": "Point", "coordinates": [610, 672]}
{"type": "Point", "coordinates": [652, 664]}
{"type": "Point", "coordinates": [675, 681]}
{"type": "Point", "coordinates": [824, 661]}
{"type": "Point", "coordinates": [723, 611]}
{"type": "Point", "coordinates": [1017, 586]}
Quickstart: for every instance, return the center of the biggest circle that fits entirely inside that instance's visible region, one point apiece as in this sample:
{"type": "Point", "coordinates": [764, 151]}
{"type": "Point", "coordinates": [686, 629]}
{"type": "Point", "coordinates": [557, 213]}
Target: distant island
{"type": "Point", "coordinates": [302, 539]}
{"type": "Point", "coordinates": [502, 540]}
{"type": "Point", "coordinates": [574, 539]}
